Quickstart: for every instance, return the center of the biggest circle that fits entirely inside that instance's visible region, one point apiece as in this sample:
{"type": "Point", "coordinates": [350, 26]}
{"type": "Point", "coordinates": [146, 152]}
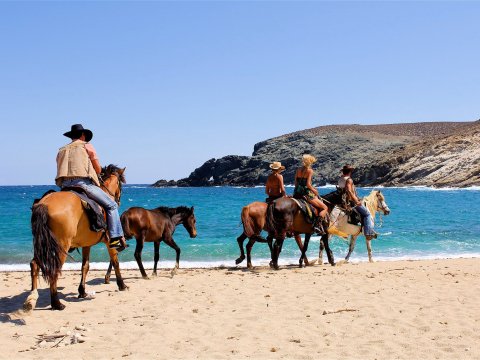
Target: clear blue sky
{"type": "Point", "coordinates": [166, 86]}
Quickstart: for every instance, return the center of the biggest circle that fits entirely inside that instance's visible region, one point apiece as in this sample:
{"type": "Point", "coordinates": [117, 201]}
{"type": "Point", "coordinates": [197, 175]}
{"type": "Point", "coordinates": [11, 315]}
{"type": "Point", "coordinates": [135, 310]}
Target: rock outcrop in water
{"type": "Point", "coordinates": [431, 154]}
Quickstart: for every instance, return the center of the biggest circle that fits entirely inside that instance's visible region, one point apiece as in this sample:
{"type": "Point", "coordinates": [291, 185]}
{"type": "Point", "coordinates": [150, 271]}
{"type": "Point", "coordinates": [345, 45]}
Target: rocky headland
{"type": "Point", "coordinates": [430, 154]}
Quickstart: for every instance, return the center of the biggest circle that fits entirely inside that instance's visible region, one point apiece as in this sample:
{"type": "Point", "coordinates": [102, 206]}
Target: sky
{"type": "Point", "coordinates": [165, 86]}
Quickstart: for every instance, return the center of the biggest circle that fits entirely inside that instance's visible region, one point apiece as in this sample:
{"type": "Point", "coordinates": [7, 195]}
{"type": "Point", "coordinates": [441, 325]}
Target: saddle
{"type": "Point", "coordinates": [95, 213]}
{"type": "Point", "coordinates": [307, 209]}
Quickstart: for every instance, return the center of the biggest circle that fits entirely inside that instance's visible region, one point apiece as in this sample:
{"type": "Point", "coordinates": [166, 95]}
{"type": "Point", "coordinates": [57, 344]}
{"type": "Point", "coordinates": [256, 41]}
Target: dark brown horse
{"type": "Point", "coordinates": [253, 220]}
{"type": "Point", "coordinates": [283, 216]}
{"type": "Point", "coordinates": [59, 223]}
{"type": "Point", "coordinates": [155, 226]}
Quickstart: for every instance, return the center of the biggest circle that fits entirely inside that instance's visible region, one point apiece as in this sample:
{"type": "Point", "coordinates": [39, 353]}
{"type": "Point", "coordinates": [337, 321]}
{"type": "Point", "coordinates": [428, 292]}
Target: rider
{"type": "Point", "coordinates": [274, 187]}
{"type": "Point", "coordinates": [346, 185]}
{"type": "Point", "coordinates": [78, 166]}
{"type": "Point", "coordinates": [304, 189]}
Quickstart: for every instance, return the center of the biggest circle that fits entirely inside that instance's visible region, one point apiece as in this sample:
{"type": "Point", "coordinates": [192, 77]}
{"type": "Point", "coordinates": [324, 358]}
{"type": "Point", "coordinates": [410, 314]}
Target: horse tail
{"type": "Point", "coordinates": [247, 222]}
{"type": "Point", "coordinates": [46, 249]}
{"type": "Point", "coordinates": [126, 226]}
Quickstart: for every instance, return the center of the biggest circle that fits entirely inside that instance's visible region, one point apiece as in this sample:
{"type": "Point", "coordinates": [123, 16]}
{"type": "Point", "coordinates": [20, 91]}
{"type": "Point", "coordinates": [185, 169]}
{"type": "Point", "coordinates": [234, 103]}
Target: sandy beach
{"type": "Point", "coordinates": [385, 310]}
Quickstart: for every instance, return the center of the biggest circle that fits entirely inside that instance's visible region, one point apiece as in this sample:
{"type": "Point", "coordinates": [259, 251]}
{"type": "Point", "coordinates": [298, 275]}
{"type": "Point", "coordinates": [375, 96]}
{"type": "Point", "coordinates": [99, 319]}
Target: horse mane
{"type": "Point", "coordinates": [173, 211]}
{"type": "Point", "coordinates": [110, 170]}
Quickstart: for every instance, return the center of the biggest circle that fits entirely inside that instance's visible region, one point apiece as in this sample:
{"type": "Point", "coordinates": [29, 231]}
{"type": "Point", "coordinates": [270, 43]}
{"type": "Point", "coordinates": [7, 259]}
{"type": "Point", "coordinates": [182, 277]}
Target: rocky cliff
{"type": "Point", "coordinates": [395, 154]}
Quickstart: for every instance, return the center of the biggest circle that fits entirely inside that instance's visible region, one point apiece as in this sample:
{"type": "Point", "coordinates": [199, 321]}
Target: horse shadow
{"type": "Point", "coordinates": [12, 306]}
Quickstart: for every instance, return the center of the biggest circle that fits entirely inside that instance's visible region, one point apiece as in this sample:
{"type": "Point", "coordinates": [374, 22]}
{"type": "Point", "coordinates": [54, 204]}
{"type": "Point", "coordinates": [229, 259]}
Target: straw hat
{"type": "Point", "coordinates": [277, 165]}
{"type": "Point", "coordinates": [308, 160]}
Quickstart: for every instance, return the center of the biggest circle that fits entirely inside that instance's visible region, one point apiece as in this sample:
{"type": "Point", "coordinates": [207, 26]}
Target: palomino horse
{"type": "Point", "coordinates": [283, 216]}
{"type": "Point", "coordinates": [253, 220]}
{"type": "Point", "coordinates": [154, 226]}
{"type": "Point", "coordinates": [339, 224]}
{"type": "Point", "coordinates": [59, 223]}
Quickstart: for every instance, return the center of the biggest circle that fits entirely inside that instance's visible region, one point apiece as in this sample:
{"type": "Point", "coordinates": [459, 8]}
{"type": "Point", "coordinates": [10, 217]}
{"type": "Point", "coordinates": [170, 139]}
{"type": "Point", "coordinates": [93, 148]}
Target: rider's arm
{"type": "Point", "coordinates": [351, 193]}
{"type": "Point", "coordinates": [309, 181]}
{"type": "Point", "coordinates": [92, 154]}
{"type": "Point", "coordinates": [267, 187]}
{"type": "Point", "coordinates": [282, 186]}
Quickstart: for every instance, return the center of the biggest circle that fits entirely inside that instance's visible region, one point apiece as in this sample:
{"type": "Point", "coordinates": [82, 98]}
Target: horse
{"type": "Point", "coordinates": [253, 219]}
{"type": "Point", "coordinates": [284, 215]}
{"type": "Point", "coordinates": [59, 223]}
{"type": "Point", "coordinates": [339, 224]}
{"type": "Point", "coordinates": [155, 226]}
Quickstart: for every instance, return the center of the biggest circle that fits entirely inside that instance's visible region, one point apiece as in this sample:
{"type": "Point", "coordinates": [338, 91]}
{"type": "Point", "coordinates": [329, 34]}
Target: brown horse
{"type": "Point", "coordinates": [254, 221]}
{"type": "Point", "coordinates": [283, 216]}
{"type": "Point", "coordinates": [154, 226]}
{"type": "Point", "coordinates": [59, 223]}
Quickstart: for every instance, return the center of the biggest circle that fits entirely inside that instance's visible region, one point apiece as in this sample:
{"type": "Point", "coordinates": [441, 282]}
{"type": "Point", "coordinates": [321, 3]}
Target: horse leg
{"type": "Point", "coordinates": [325, 240]}
{"type": "Point", "coordinates": [304, 249]}
{"type": "Point", "coordinates": [138, 256]}
{"type": "Point", "coordinates": [32, 298]}
{"type": "Point", "coordinates": [270, 246]}
{"type": "Point", "coordinates": [54, 300]}
{"type": "Point", "coordinates": [109, 272]}
{"type": "Point", "coordinates": [156, 256]}
{"type": "Point", "coordinates": [85, 267]}
{"type": "Point", "coordinates": [250, 243]}
{"type": "Point", "coordinates": [320, 252]}
{"type": "Point", "coordinates": [369, 248]}
{"type": "Point", "coordinates": [116, 265]}
{"type": "Point", "coordinates": [353, 239]}
{"type": "Point", "coordinates": [240, 241]}
{"type": "Point", "coordinates": [277, 249]}
{"type": "Point", "coordinates": [170, 242]}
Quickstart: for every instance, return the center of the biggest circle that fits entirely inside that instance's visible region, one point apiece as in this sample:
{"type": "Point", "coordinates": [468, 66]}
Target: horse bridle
{"type": "Point", "coordinates": [382, 205]}
{"type": "Point", "coordinates": [115, 197]}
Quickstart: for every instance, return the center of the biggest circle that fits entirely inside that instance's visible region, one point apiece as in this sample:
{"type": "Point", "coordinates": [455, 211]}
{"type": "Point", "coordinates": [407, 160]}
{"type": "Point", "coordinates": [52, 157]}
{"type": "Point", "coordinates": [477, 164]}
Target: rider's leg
{"type": "Point", "coordinates": [320, 206]}
{"type": "Point", "coordinates": [111, 208]}
{"type": "Point", "coordinates": [367, 221]}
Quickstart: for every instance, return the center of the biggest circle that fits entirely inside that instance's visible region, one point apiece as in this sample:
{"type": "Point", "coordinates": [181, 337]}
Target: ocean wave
{"type": "Point", "coordinates": [132, 265]}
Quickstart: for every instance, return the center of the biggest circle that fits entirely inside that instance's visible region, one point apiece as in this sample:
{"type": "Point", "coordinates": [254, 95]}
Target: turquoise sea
{"type": "Point", "coordinates": [425, 223]}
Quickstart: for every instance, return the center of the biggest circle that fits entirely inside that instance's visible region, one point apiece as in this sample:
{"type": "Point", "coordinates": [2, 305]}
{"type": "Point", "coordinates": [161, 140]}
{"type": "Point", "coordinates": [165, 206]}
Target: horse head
{"type": "Point", "coordinates": [189, 222]}
{"type": "Point", "coordinates": [381, 204]}
{"type": "Point", "coordinates": [111, 179]}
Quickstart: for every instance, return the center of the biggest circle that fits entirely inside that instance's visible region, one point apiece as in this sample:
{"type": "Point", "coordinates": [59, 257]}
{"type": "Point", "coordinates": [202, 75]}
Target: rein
{"type": "Point", "coordinates": [117, 200]}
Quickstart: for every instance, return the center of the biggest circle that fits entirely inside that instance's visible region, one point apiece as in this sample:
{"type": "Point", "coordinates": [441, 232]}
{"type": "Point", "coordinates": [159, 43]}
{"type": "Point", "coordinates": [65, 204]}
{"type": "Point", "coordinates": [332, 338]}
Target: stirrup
{"type": "Point", "coordinates": [118, 244]}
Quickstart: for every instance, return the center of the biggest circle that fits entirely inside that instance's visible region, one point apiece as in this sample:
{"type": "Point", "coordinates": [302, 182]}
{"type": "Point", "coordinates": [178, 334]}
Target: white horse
{"type": "Point", "coordinates": [340, 226]}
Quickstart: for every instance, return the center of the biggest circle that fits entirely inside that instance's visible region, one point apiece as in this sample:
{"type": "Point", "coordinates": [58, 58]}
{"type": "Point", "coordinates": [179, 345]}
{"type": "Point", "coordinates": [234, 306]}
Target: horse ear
{"type": "Point", "coordinates": [121, 171]}
{"type": "Point", "coordinates": [191, 209]}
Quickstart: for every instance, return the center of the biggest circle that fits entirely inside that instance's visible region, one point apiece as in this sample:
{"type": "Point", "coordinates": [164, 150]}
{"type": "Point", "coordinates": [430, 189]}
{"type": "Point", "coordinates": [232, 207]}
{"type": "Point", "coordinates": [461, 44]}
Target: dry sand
{"type": "Point", "coordinates": [386, 310]}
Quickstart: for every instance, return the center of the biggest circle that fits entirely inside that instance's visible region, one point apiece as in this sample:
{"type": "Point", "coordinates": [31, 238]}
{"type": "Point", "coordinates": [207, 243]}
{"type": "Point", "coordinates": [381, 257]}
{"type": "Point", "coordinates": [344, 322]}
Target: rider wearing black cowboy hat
{"type": "Point", "coordinates": [78, 166]}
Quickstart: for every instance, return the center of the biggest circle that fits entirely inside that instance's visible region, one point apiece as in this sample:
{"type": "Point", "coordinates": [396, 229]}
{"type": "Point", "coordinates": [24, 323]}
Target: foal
{"type": "Point", "coordinates": [155, 226]}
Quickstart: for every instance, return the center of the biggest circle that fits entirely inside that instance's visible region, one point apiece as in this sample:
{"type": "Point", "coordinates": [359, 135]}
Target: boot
{"type": "Point", "coordinates": [318, 226]}
{"type": "Point", "coordinates": [118, 243]}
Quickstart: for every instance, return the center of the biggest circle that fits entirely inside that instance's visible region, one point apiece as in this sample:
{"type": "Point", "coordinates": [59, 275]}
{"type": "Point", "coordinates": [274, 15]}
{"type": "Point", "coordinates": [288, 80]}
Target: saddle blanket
{"type": "Point", "coordinates": [307, 209]}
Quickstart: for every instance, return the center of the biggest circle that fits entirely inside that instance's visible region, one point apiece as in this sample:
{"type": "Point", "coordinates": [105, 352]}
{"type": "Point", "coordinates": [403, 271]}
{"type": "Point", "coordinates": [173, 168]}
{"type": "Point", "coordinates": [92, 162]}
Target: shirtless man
{"type": "Point", "coordinates": [274, 187]}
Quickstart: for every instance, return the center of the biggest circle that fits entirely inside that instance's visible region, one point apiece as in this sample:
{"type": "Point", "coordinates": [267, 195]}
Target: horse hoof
{"type": "Point", "coordinates": [154, 273]}
{"type": "Point", "coordinates": [58, 306]}
{"type": "Point", "coordinates": [82, 296]}
{"type": "Point", "coordinates": [107, 281]}
{"type": "Point", "coordinates": [239, 260]}
{"type": "Point", "coordinates": [250, 267]}
{"type": "Point", "coordinates": [123, 288]}
{"type": "Point", "coordinates": [145, 277]}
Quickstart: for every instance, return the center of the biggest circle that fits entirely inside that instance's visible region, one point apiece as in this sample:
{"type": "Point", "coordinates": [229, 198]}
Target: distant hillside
{"type": "Point", "coordinates": [382, 153]}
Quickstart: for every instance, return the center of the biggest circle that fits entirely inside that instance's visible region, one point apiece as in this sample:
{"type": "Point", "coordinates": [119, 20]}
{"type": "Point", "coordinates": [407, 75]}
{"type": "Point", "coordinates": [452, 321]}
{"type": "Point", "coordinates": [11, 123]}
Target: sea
{"type": "Point", "coordinates": [424, 223]}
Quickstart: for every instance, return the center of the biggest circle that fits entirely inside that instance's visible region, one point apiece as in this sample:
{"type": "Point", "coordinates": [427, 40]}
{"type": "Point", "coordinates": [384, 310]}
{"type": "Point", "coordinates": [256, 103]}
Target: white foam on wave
{"type": "Point", "coordinates": [129, 265]}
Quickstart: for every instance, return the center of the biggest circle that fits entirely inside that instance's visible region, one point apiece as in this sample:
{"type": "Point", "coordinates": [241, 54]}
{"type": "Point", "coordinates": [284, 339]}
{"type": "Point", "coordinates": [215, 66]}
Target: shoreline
{"type": "Point", "coordinates": [387, 309]}
{"type": "Point", "coordinates": [228, 264]}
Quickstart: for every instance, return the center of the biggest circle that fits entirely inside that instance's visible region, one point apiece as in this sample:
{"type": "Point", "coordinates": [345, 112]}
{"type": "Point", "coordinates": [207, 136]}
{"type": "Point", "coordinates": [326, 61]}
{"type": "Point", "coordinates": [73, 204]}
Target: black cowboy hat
{"type": "Point", "coordinates": [77, 131]}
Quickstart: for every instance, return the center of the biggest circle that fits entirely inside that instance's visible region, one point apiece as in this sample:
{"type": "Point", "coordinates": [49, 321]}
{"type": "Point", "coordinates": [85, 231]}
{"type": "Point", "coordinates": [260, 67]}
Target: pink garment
{"type": "Point", "coordinates": [92, 153]}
